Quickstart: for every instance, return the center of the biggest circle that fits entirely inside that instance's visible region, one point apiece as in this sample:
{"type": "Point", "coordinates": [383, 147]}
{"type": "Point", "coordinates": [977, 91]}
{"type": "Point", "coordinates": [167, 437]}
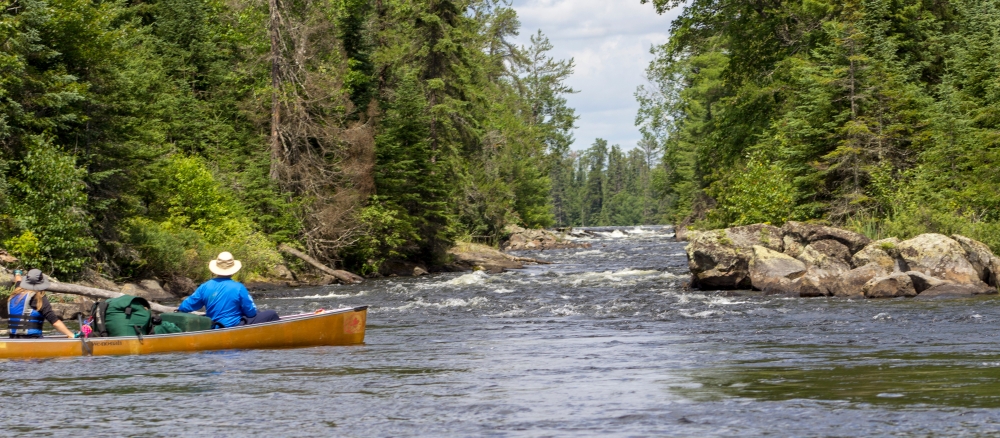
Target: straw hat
{"type": "Point", "coordinates": [224, 265]}
{"type": "Point", "coordinates": [34, 280]}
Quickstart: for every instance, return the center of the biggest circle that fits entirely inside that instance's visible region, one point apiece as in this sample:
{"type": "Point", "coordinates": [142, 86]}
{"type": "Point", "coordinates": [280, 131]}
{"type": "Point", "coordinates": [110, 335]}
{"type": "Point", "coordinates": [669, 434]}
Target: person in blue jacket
{"type": "Point", "coordinates": [29, 308]}
{"type": "Point", "coordinates": [225, 300]}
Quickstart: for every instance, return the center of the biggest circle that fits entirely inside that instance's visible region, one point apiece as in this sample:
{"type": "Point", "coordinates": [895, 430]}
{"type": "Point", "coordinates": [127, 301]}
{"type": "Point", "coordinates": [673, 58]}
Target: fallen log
{"type": "Point", "coordinates": [343, 276]}
{"type": "Point", "coordinates": [92, 292]}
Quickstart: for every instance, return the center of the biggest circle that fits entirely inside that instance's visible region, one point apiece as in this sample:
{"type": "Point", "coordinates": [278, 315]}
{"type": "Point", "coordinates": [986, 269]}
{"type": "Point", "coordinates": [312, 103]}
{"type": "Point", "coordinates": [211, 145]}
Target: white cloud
{"type": "Point", "coordinates": [610, 41]}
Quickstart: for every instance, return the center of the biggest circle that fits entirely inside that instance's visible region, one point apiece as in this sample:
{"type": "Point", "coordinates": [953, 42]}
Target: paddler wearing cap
{"type": "Point", "coordinates": [29, 308]}
{"type": "Point", "coordinates": [225, 300]}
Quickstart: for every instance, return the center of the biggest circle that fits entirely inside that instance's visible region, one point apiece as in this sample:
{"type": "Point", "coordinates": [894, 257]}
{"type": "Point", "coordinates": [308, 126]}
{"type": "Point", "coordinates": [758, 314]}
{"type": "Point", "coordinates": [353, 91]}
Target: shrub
{"type": "Point", "coordinates": [50, 226]}
{"type": "Point", "coordinates": [761, 192]}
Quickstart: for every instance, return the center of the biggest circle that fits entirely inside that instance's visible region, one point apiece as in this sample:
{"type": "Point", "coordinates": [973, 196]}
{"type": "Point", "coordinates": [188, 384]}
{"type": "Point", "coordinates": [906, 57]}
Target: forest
{"type": "Point", "coordinates": [141, 138]}
{"type": "Point", "coordinates": [879, 115]}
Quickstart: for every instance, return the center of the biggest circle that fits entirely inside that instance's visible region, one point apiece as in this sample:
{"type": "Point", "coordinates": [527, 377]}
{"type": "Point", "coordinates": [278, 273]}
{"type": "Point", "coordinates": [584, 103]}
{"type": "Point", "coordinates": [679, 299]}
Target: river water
{"type": "Point", "coordinates": [604, 342]}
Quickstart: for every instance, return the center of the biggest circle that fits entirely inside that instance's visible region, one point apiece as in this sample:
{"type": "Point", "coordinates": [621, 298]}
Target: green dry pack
{"type": "Point", "coordinates": [187, 322]}
{"type": "Point", "coordinates": [127, 315]}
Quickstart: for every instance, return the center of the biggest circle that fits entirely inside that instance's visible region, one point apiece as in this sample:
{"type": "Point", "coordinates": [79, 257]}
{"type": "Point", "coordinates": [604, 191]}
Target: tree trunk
{"type": "Point", "coordinates": [91, 292]}
{"type": "Point", "coordinates": [273, 25]}
{"type": "Point", "coordinates": [343, 276]}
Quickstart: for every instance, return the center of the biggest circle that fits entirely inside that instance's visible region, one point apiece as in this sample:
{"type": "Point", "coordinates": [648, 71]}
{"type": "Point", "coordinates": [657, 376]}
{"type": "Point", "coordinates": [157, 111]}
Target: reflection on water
{"type": "Point", "coordinates": [605, 342]}
{"type": "Point", "coordinates": [971, 381]}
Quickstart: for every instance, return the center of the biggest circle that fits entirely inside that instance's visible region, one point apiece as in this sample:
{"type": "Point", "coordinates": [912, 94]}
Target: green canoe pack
{"type": "Point", "coordinates": [187, 322]}
{"type": "Point", "coordinates": [128, 315]}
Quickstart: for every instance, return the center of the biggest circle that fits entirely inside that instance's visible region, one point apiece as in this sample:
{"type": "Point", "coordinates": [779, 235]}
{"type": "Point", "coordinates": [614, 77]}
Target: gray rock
{"type": "Point", "coordinates": [91, 278]}
{"type": "Point", "coordinates": [828, 255]}
{"type": "Point", "coordinates": [282, 272]}
{"type": "Point", "coordinates": [981, 258]}
{"type": "Point", "coordinates": [716, 263]}
{"type": "Point", "coordinates": [70, 311]}
{"type": "Point", "coordinates": [922, 282]}
{"type": "Point", "coordinates": [758, 234]}
{"type": "Point", "coordinates": [939, 256]}
{"type": "Point", "coordinates": [882, 252]}
{"type": "Point", "coordinates": [851, 283]}
{"type": "Point", "coordinates": [772, 271]}
{"type": "Point", "coordinates": [148, 289]}
{"type": "Point", "coordinates": [809, 233]}
{"type": "Point", "coordinates": [890, 286]}
{"type": "Point", "coordinates": [720, 259]}
{"type": "Point", "coordinates": [818, 283]}
{"type": "Point", "coordinates": [793, 246]}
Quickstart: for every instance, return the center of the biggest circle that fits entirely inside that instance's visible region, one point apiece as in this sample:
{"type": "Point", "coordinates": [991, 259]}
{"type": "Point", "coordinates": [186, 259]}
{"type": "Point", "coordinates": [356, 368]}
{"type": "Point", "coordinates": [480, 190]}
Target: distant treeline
{"type": "Point", "coordinates": [142, 138]}
{"type": "Point", "coordinates": [601, 186]}
{"type": "Point", "coordinates": [882, 115]}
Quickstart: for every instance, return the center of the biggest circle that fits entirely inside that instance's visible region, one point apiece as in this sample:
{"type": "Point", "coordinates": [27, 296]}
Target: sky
{"type": "Point", "coordinates": [609, 41]}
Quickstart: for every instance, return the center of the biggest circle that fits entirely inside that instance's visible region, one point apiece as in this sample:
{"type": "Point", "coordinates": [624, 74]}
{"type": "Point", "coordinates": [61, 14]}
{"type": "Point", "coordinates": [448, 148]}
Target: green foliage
{"type": "Point", "coordinates": [879, 115]}
{"type": "Point", "coordinates": [154, 120]}
{"type": "Point", "coordinates": [50, 224]}
{"type": "Point", "coordinates": [192, 218]}
{"type": "Point", "coordinates": [759, 192]}
{"type": "Point", "coordinates": [385, 233]}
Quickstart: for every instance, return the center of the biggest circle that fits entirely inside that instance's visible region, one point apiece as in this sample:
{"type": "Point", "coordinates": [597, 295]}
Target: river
{"type": "Point", "coordinates": [604, 342]}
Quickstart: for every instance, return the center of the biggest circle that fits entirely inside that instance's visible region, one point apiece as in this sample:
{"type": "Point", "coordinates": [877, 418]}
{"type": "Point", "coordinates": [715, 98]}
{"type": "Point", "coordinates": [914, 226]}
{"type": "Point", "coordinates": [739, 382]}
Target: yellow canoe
{"type": "Point", "coordinates": [330, 327]}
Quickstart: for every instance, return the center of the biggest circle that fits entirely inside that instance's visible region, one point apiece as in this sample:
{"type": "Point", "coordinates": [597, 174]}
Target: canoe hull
{"type": "Point", "coordinates": [334, 327]}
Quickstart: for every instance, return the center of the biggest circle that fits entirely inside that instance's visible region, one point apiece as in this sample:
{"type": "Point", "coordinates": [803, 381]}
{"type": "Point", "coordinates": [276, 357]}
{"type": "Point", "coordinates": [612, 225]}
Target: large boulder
{"type": "Point", "coordinates": [793, 246]}
{"type": "Point", "coordinates": [889, 286]}
{"type": "Point", "coordinates": [809, 233]}
{"type": "Point", "coordinates": [981, 258]}
{"type": "Point", "coordinates": [720, 259]}
{"type": "Point", "coordinates": [828, 255]}
{"type": "Point", "coordinates": [818, 283]}
{"type": "Point", "coordinates": [939, 256]}
{"type": "Point", "coordinates": [758, 234]}
{"type": "Point", "coordinates": [882, 252]}
{"type": "Point", "coordinates": [772, 271]}
{"type": "Point", "coordinates": [851, 283]}
{"type": "Point", "coordinates": [473, 256]}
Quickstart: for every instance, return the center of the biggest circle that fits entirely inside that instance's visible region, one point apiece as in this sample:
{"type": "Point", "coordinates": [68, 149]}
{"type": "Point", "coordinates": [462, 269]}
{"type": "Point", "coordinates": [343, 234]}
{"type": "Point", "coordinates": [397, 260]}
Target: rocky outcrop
{"type": "Point", "coordinates": [774, 272]}
{"type": "Point", "coordinates": [987, 265]}
{"type": "Point", "coordinates": [720, 259]}
{"type": "Point", "coordinates": [881, 252]}
{"type": "Point", "coordinates": [817, 260]}
{"type": "Point", "coordinates": [521, 239]}
{"type": "Point", "coordinates": [828, 255]}
{"type": "Point", "coordinates": [938, 256]}
{"type": "Point", "coordinates": [471, 256]}
{"type": "Point", "coordinates": [809, 233]}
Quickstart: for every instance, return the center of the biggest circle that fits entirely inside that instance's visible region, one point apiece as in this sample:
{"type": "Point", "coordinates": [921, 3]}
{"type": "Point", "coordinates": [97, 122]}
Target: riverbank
{"type": "Point", "coordinates": [464, 256]}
